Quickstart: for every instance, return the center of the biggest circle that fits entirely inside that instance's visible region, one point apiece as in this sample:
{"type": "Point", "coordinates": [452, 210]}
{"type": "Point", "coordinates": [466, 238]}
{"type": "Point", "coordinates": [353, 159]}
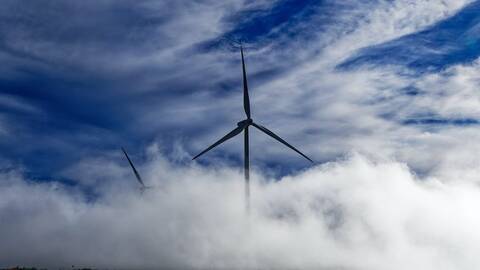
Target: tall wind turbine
{"type": "Point", "coordinates": [137, 175]}
{"type": "Point", "coordinates": [243, 126]}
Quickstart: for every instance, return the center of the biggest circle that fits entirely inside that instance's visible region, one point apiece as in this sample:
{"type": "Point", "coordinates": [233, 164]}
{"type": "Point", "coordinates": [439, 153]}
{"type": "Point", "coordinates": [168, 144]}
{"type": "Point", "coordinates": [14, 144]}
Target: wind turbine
{"type": "Point", "coordinates": [243, 126]}
{"type": "Point", "coordinates": [137, 175]}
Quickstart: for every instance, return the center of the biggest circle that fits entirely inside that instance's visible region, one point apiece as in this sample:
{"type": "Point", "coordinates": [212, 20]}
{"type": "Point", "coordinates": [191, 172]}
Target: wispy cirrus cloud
{"type": "Point", "coordinates": [445, 43]}
{"type": "Point", "coordinates": [139, 77]}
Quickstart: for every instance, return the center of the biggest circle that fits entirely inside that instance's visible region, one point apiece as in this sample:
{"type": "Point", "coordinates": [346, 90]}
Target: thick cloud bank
{"type": "Point", "coordinates": [350, 214]}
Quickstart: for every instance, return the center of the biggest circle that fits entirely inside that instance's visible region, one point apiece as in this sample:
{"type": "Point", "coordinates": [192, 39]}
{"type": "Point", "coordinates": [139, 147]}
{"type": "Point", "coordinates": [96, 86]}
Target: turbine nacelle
{"type": "Point", "coordinates": [245, 123]}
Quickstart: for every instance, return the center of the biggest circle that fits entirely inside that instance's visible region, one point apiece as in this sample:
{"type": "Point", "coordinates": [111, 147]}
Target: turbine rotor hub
{"type": "Point", "coordinates": [245, 122]}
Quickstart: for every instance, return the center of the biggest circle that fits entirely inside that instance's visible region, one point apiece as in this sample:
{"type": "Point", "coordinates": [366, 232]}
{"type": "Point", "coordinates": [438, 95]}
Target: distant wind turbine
{"type": "Point", "coordinates": [137, 175]}
{"type": "Point", "coordinates": [243, 126]}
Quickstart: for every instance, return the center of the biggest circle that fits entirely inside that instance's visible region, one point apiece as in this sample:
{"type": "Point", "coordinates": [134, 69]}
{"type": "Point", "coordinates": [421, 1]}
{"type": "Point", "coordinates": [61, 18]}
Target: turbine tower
{"type": "Point", "coordinates": [243, 126]}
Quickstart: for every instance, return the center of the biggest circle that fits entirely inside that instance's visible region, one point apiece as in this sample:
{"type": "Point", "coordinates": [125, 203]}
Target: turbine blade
{"type": "Point", "coordinates": [230, 135]}
{"type": "Point", "coordinates": [137, 175]}
{"type": "Point", "coordinates": [246, 99]}
{"type": "Point", "coordinates": [276, 137]}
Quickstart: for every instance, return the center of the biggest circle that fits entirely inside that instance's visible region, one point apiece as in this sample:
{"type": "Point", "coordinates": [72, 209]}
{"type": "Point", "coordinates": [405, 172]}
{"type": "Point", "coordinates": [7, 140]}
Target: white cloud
{"type": "Point", "coordinates": [351, 214]}
{"type": "Point", "coordinates": [385, 20]}
{"type": "Point", "coordinates": [331, 112]}
{"type": "Point", "coordinates": [334, 112]}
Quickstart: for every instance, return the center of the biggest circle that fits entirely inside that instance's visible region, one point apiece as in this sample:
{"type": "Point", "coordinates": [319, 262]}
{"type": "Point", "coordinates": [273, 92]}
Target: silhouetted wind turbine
{"type": "Point", "coordinates": [137, 175]}
{"type": "Point", "coordinates": [243, 126]}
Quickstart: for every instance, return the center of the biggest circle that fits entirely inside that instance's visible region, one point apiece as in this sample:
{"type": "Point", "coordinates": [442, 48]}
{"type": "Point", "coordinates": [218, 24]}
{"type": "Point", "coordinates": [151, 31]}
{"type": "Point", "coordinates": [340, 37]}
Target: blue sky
{"type": "Point", "coordinates": [382, 94]}
{"type": "Point", "coordinates": [79, 80]}
{"type": "Point", "coordinates": [445, 43]}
